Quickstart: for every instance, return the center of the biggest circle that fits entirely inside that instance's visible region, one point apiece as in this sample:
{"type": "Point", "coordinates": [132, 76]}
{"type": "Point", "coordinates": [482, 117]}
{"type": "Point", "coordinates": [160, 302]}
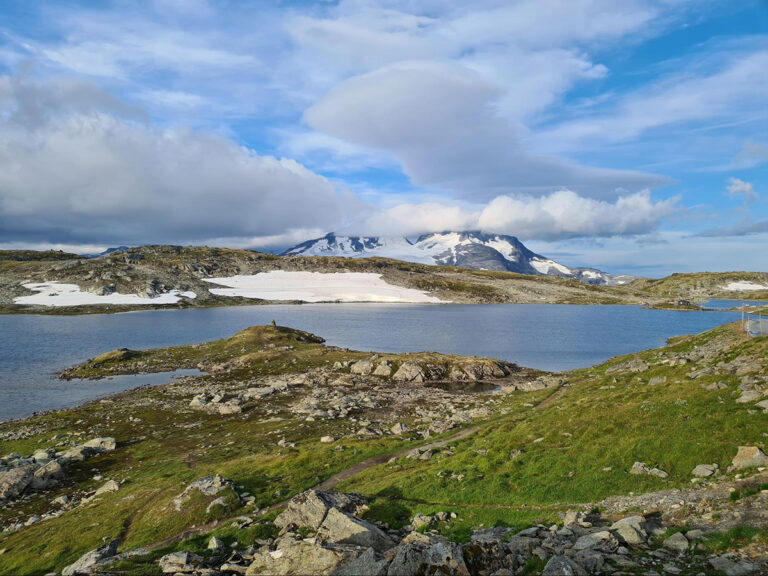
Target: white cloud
{"type": "Point", "coordinates": [438, 120]}
{"type": "Point", "coordinates": [562, 214]}
{"type": "Point", "coordinates": [74, 174]}
{"type": "Point", "coordinates": [737, 187]}
{"type": "Point", "coordinates": [702, 91]}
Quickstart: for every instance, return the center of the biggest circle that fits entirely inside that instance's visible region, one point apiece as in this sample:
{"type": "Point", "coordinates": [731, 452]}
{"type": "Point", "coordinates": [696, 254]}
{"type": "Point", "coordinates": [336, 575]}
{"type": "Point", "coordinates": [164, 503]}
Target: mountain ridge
{"type": "Point", "coordinates": [472, 249]}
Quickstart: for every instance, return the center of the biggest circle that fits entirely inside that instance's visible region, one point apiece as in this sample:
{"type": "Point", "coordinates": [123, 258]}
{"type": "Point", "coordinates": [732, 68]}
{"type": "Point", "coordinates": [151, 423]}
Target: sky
{"type": "Point", "coordinates": [629, 136]}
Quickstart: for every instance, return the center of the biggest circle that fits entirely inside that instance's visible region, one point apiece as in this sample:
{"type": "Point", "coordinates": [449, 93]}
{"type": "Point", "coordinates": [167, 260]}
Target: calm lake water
{"type": "Point", "coordinates": [542, 336]}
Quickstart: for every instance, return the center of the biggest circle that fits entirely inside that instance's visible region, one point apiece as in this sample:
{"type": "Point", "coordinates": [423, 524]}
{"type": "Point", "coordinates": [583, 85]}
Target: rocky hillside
{"type": "Point", "coordinates": [707, 285]}
{"type": "Point", "coordinates": [288, 453]}
{"type": "Point", "coordinates": [154, 271]}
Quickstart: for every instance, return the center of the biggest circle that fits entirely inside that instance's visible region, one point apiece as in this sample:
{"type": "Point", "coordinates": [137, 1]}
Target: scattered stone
{"type": "Point", "coordinates": [732, 567]}
{"type": "Point", "coordinates": [109, 486]}
{"type": "Point", "coordinates": [704, 470]}
{"type": "Point", "coordinates": [642, 468]}
{"type": "Point", "coordinates": [208, 486]}
{"type": "Point", "coordinates": [326, 439]}
{"type": "Point", "coordinates": [561, 566]}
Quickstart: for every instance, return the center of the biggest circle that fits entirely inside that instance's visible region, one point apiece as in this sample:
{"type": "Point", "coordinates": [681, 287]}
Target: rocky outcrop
{"type": "Point", "coordinates": [45, 468]}
{"type": "Point", "coordinates": [207, 486]}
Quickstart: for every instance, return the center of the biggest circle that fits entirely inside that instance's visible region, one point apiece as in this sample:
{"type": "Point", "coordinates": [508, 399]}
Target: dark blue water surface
{"type": "Point", "coordinates": [549, 337]}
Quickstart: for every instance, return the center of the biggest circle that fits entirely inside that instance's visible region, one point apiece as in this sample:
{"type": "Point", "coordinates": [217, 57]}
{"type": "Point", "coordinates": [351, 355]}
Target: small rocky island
{"type": "Point", "coordinates": [287, 456]}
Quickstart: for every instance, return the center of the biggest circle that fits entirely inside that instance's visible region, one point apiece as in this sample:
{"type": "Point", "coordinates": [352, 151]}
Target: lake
{"type": "Point", "coordinates": [549, 337]}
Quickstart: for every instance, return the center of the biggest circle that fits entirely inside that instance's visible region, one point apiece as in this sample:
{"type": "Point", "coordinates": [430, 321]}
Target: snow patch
{"type": "Point", "coordinates": [58, 295]}
{"type": "Point", "coordinates": [544, 266]}
{"type": "Point", "coordinates": [318, 287]}
{"type": "Point", "coordinates": [739, 286]}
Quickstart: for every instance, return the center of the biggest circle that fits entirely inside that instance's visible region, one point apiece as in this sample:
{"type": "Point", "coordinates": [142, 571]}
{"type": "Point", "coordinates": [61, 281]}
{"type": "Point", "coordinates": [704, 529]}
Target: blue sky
{"type": "Point", "coordinates": [631, 136]}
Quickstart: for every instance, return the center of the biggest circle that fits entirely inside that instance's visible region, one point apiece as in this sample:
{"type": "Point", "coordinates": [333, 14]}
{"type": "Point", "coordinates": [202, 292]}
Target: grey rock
{"type": "Point", "coordinates": [311, 507]}
{"type": "Point", "coordinates": [677, 542]}
{"type": "Point", "coordinates": [303, 557]}
{"type": "Point", "coordinates": [87, 562]}
{"type": "Point", "coordinates": [420, 554]}
{"type": "Point", "coordinates": [642, 468]}
{"type": "Point", "coordinates": [179, 562]}
{"type": "Point", "coordinates": [561, 566]}
{"type": "Point", "coordinates": [409, 372]}
{"type": "Point", "coordinates": [207, 486]}
{"type": "Point", "coordinates": [630, 530]}
{"type": "Point", "coordinates": [362, 367]}
{"type": "Point", "coordinates": [732, 567]}
{"type": "Point", "coordinates": [366, 564]}
{"type": "Point", "coordinates": [704, 470]}
{"type": "Point", "coordinates": [594, 540]}
{"type": "Point", "coordinates": [109, 486]}
{"type": "Point", "coordinates": [342, 528]}
{"type": "Point", "coordinates": [384, 369]}
{"type": "Point", "coordinates": [749, 457]}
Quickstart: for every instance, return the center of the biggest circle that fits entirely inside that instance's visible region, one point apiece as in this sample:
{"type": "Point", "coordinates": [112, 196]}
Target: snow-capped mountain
{"type": "Point", "coordinates": [475, 250]}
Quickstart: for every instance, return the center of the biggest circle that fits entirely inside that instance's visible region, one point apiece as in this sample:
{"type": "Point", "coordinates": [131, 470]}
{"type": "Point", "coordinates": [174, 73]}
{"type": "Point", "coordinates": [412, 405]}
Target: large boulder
{"type": "Point", "coordinates": [421, 554]}
{"type": "Point", "coordinates": [87, 562]}
{"type": "Point", "coordinates": [311, 507]}
{"type": "Point", "coordinates": [340, 527]}
{"type": "Point", "coordinates": [704, 470]}
{"type": "Point", "coordinates": [303, 557]}
{"type": "Point", "coordinates": [631, 530]}
{"type": "Point", "coordinates": [101, 444]}
{"type": "Point", "coordinates": [409, 372]}
{"type": "Point", "coordinates": [749, 457]}
{"type": "Point", "coordinates": [367, 564]}
{"type": "Point", "coordinates": [362, 367]}
{"type": "Point", "coordinates": [15, 481]}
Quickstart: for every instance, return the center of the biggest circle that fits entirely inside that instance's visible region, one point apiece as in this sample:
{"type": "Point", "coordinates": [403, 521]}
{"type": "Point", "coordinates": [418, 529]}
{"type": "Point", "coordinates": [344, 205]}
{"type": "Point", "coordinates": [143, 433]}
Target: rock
{"type": "Point", "coordinates": [486, 554]}
{"type": "Point", "coordinates": [561, 566]}
{"type": "Point", "coordinates": [384, 369]}
{"type": "Point", "coordinates": [398, 429]}
{"type": "Point", "coordinates": [409, 372]}
{"type": "Point", "coordinates": [87, 562]}
{"type": "Point", "coordinates": [179, 562]}
{"type": "Point", "coordinates": [109, 486]}
{"type": "Point", "coordinates": [732, 567]}
{"type": "Point", "coordinates": [216, 545]}
{"type": "Point", "coordinates": [656, 380]}
{"type": "Point", "coordinates": [748, 396]}
{"type": "Point", "coordinates": [425, 555]}
{"type": "Point", "coordinates": [208, 486]}
{"type": "Point", "coordinates": [47, 475]}
{"type": "Point", "coordinates": [219, 502]}
{"type": "Point", "coordinates": [302, 557]}
{"type": "Point", "coordinates": [362, 367]}
{"type": "Point", "coordinates": [630, 529]}
{"type": "Point", "coordinates": [326, 439]}
{"type": "Point", "coordinates": [230, 407]}
{"type": "Point", "coordinates": [594, 540]}
{"type": "Point", "coordinates": [421, 521]}
{"type": "Point", "coordinates": [14, 482]}
{"type": "Point", "coordinates": [642, 468]}
{"type": "Point", "coordinates": [364, 565]}
{"type": "Point", "coordinates": [763, 405]}
{"type": "Point", "coordinates": [704, 470]}
{"type": "Point", "coordinates": [749, 457]}
{"type": "Point", "coordinates": [101, 444]}
{"type": "Point", "coordinates": [342, 528]}
{"type": "Point", "coordinates": [311, 507]}
{"type": "Point", "coordinates": [677, 542]}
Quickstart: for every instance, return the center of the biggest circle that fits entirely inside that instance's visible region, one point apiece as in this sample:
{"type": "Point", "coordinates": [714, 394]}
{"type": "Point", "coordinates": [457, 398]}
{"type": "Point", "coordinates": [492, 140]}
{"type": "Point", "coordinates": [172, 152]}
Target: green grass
{"type": "Point", "coordinates": [599, 421]}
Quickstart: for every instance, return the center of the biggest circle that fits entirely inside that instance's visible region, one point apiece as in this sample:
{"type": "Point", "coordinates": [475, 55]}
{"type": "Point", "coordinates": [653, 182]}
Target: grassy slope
{"type": "Point", "coordinates": [598, 421]}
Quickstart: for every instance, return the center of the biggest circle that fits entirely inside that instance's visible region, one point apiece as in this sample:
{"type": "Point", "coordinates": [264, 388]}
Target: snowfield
{"type": "Point", "coordinates": [56, 294]}
{"type": "Point", "coordinates": [318, 287]}
{"type": "Point", "coordinates": [738, 286]}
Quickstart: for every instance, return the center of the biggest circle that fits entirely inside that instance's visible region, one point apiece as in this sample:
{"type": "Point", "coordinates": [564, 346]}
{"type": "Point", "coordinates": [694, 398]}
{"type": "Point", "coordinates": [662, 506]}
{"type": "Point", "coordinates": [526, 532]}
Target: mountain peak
{"type": "Point", "coordinates": [472, 249]}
